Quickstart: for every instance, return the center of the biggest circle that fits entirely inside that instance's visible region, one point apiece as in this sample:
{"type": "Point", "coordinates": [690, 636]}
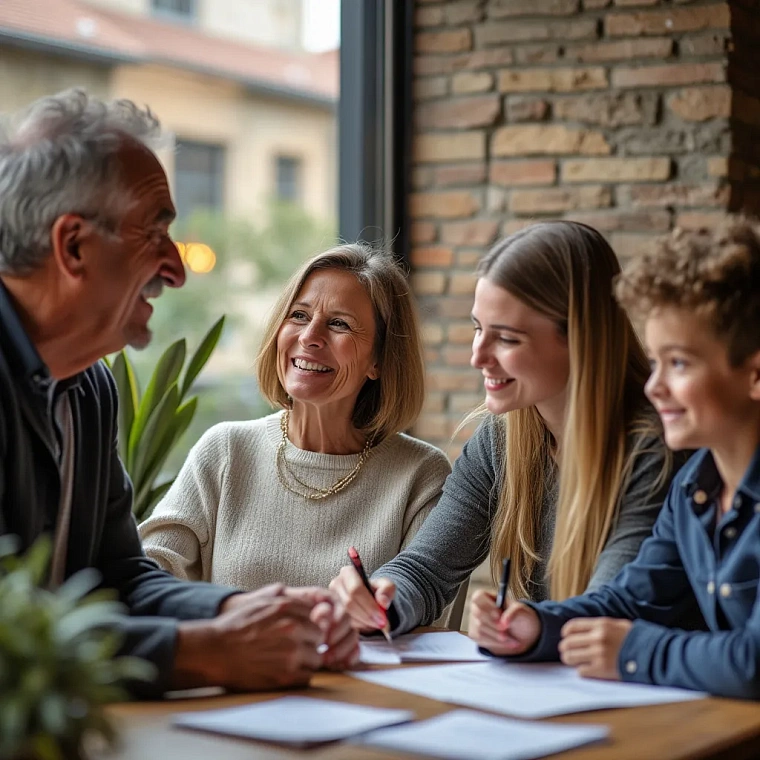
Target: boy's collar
{"type": "Point", "coordinates": [701, 474]}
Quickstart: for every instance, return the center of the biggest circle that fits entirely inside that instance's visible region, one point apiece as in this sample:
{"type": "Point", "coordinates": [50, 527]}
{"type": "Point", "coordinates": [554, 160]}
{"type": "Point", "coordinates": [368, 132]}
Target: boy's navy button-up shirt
{"type": "Point", "coordinates": [695, 556]}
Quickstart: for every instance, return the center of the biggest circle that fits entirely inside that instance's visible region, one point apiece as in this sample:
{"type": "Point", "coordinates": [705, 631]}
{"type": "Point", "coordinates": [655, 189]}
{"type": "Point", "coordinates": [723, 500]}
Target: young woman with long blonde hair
{"type": "Point", "coordinates": [567, 471]}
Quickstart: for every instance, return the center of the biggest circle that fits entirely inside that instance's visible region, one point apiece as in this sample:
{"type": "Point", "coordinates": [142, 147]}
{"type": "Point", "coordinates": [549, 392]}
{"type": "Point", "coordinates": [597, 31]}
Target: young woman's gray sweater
{"type": "Point", "coordinates": [455, 537]}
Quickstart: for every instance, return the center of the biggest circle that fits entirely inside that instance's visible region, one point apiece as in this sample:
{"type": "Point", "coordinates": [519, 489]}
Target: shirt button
{"type": "Point", "coordinates": [700, 497]}
{"type": "Point", "coordinates": [631, 667]}
{"type": "Point", "coordinates": [730, 532]}
{"type": "Point", "coordinates": [725, 590]}
{"type": "Point", "coordinates": [711, 587]}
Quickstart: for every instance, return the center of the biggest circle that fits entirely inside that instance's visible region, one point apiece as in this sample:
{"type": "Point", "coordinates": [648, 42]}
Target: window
{"type": "Point", "coordinates": [180, 9]}
{"type": "Point", "coordinates": [198, 177]}
{"type": "Point", "coordinates": [288, 179]}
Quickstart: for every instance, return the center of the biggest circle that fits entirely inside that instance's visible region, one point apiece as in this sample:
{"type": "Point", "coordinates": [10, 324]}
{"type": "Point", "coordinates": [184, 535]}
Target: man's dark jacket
{"type": "Point", "coordinates": [103, 533]}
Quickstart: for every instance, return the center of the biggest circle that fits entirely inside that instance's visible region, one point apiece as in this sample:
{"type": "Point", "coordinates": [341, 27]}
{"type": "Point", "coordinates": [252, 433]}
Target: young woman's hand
{"type": "Point", "coordinates": [366, 612]}
{"type": "Point", "coordinates": [592, 646]}
{"type": "Point", "coordinates": [513, 631]}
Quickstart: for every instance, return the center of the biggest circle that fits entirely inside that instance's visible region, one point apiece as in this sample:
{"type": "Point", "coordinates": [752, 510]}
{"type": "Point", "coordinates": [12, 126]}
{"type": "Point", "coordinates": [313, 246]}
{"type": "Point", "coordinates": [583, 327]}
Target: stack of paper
{"type": "Point", "coordinates": [466, 735]}
{"type": "Point", "coordinates": [449, 646]}
{"type": "Point", "coordinates": [297, 721]}
{"type": "Point", "coordinates": [535, 690]}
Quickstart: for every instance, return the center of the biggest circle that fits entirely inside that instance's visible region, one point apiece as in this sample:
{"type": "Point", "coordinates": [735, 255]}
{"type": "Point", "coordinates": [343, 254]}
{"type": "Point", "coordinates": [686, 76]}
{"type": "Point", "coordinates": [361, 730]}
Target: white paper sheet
{"type": "Point", "coordinates": [467, 735]}
{"type": "Point", "coordinates": [448, 646]}
{"type": "Point", "coordinates": [531, 690]}
{"type": "Point", "coordinates": [293, 720]}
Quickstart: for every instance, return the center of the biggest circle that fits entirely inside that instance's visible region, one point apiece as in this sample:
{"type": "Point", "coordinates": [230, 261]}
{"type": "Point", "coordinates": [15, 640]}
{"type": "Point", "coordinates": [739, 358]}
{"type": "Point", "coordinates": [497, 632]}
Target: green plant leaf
{"type": "Point", "coordinates": [154, 496]}
{"type": "Point", "coordinates": [164, 375]}
{"type": "Point", "coordinates": [37, 559]}
{"type": "Point", "coordinates": [79, 585]}
{"type": "Point", "coordinates": [150, 445]}
{"type": "Point", "coordinates": [126, 384]}
{"type": "Point", "coordinates": [201, 356]}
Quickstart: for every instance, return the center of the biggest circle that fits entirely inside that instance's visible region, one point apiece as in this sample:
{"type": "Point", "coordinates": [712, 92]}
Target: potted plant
{"type": "Point", "coordinates": [151, 423]}
{"type": "Point", "coordinates": [57, 665]}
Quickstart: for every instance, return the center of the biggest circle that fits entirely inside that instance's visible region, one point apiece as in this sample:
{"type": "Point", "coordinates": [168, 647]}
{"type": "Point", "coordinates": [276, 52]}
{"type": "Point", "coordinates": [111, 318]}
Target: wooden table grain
{"type": "Point", "coordinates": [718, 729]}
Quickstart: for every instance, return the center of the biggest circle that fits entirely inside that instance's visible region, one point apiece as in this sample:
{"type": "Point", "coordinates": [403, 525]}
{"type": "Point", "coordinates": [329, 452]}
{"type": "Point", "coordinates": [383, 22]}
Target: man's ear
{"type": "Point", "coordinates": [753, 362]}
{"type": "Point", "coordinates": [67, 236]}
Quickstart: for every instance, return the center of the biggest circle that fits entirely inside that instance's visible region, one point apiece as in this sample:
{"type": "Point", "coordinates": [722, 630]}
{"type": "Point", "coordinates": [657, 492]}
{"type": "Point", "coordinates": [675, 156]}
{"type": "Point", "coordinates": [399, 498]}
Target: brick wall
{"type": "Point", "coordinates": [630, 115]}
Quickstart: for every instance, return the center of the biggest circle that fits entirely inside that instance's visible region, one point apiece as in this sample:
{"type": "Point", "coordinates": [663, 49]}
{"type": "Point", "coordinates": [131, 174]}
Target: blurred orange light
{"type": "Point", "coordinates": [199, 257]}
{"type": "Point", "coordinates": [182, 248]}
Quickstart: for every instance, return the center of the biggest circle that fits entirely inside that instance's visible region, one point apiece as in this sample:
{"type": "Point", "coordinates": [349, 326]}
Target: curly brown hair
{"type": "Point", "coordinates": [712, 272]}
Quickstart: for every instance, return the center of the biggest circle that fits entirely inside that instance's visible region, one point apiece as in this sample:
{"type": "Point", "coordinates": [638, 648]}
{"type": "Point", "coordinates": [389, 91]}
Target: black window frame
{"type": "Point", "coordinates": [295, 164]}
{"type": "Point", "coordinates": [217, 155]}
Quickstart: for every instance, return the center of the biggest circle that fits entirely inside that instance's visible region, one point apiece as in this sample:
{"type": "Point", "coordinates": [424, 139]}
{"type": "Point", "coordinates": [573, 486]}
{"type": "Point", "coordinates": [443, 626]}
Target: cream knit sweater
{"type": "Point", "coordinates": [228, 520]}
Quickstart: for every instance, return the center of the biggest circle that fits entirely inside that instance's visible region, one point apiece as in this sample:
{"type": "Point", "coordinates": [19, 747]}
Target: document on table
{"type": "Point", "coordinates": [467, 735]}
{"type": "Point", "coordinates": [448, 646]}
{"type": "Point", "coordinates": [527, 690]}
{"type": "Point", "coordinates": [296, 721]}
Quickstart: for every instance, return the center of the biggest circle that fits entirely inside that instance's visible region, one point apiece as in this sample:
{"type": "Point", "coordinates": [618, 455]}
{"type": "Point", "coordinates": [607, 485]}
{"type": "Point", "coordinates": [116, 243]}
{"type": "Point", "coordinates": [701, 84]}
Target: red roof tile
{"type": "Point", "coordinates": [74, 23]}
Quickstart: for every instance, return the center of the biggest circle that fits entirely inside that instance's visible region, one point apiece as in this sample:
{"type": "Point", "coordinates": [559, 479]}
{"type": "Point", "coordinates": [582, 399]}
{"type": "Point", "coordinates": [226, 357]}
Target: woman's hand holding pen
{"type": "Point", "coordinates": [512, 631]}
{"type": "Point", "coordinates": [365, 611]}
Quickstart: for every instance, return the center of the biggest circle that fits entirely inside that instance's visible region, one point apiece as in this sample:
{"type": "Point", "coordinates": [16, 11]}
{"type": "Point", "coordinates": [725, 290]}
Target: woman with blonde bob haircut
{"type": "Point", "coordinates": [567, 471]}
{"type": "Point", "coordinates": [281, 499]}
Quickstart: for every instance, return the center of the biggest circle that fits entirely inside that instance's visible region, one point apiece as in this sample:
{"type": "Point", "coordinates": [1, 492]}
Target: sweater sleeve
{"type": "Point", "coordinates": [640, 504]}
{"type": "Point", "coordinates": [179, 533]}
{"type": "Point", "coordinates": [454, 539]}
{"type": "Point", "coordinates": [431, 476]}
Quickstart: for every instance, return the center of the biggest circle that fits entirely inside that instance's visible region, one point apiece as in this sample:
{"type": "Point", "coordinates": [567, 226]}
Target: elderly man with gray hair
{"type": "Point", "coordinates": [85, 210]}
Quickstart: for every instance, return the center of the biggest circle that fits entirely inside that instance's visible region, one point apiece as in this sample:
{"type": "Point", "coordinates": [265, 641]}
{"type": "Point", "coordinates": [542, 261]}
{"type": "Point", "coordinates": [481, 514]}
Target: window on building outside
{"type": "Point", "coordinates": [182, 9]}
{"type": "Point", "coordinates": [288, 179]}
{"type": "Point", "coordinates": [198, 177]}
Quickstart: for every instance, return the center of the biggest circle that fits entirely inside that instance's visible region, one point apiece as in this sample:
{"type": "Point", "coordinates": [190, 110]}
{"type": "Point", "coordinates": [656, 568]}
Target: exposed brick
{"type": "Point", "coordinates": [532, 139]}
{"type": "Point", "coordinates": [668, 75]}
{"type": "Point", "coordinates": [471, 81]}
{"type": "Point", "coordinates": [462, 284]}
{"type": "Point", "coordinates": [615, 169]}
{"type": "Point", "coordinates": [593, 5]}
{"type": "Point", "coordinates": [464, 12]}
{"type": "Point", "coordinates": [434, 402]}
{"type": "Point", "coordinates": [439, 379]}
{"type": "Point", "coordinates": [509, 173]}
{"type": "Point", "coordinates": [422, 232]}
{"type": "Point", "coordinates": [670, 21]}
{"type": "Point", "coordinates": [554, 200]}
{"type": "Point", "coordinates": [431, 355]}
{"type": "Point", "coordinates": [460, 174]}
{"type": "Point", "coordinates": [432, 16]}
{"type": "Point", "coordinates": [457, 356]}
{"type": "Point", "coordinates": [538, 54]}
{"type": "Point", "coordinates": [628, 3]}
{"type": "Point", "coordinates": [425, 88]}
{"type": "Point", "coordinates": [422, 176]}
{"type": "Point", "coordinates": [468, 259]}
{"type": "Point", "coordinates": [702, 103]}
{"type": "Point", "coordinates": [432, 333]}
{"type": "Point", "coordinates": [526, 109]}
{"type": "Point", "coordinates": [431, 65]}
{"type": "Point", "coordinates": [552, 80]}
{"type": "Point", "coordinates": [676, 194]}
{"type": "Point", "coordinates": [458, 113]}
{"type": "Point", "coordinates": [432, 426]}
{"type": "Point", "coordinates": [463, 403]}
{"type": "Point", "coordinates": [613, 109]}
{"type": "Point", "coordinates": [694, 220]}
{"type": "Point", "coordinates": [451, 41]}
{"type": "Point", "coordinates": [594, 52]}
{"type": "Point", "coordinates": [496, 199]}
{"type": "Point", "coordinates": [456, 307]}
{"type": "Point", "coordinates": [532, 31]}
{"type": "Point", "coordinates": [703, 45]}
{"type": "Point", "coordinates": [483, 59]}
{"type": "Point", "coordinates": [458, 146]}
{"type": "Point", "coordinates": [428, 283]}
{"type": "Point", "coordinates": [443, 205]}
{"type": "Point", "coordinates": [618, 220]}
{"type": "Point", "coordinates": [431, 256]}
{"type": "Point", "coordinates": [713, 137]}
{"type": "Point", "coordinates": [479, 232]}
{"type": "Point", "coordinates": [514, 225]}
{"type": "Point", "coordinates": [629, 244]}
{"type": "Point", "coordinates": [509, 8]}
{"type": "Point", "coordinates": [459, 332]}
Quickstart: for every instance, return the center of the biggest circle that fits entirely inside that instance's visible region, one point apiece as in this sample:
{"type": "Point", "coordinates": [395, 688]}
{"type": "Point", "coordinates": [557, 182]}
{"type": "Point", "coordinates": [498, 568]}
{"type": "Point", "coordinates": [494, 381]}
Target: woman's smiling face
{"type": "Point", "coordinates": [326, 345]}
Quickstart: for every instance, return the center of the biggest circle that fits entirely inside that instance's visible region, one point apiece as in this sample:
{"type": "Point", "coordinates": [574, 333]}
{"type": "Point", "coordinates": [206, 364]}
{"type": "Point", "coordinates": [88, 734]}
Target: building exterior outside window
{"type": "Point", "coordinates": [181, 9]}
{"type": "Point", "coordinates": [198, 177]}
{"type": "Point", "coordinates": [288, 178]}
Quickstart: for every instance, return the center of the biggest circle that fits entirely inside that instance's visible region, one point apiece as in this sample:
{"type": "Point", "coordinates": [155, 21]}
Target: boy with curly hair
{"type": "Point", "coordinates": [699, 296]}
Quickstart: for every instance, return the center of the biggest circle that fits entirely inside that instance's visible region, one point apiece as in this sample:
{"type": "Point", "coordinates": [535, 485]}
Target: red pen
{"type": "Point", "coordinates": [356, 561]}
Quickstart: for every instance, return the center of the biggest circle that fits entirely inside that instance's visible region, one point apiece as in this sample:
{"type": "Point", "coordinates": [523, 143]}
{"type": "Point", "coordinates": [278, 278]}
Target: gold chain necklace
{"type": "Point", "coordinates": [315, 494]}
